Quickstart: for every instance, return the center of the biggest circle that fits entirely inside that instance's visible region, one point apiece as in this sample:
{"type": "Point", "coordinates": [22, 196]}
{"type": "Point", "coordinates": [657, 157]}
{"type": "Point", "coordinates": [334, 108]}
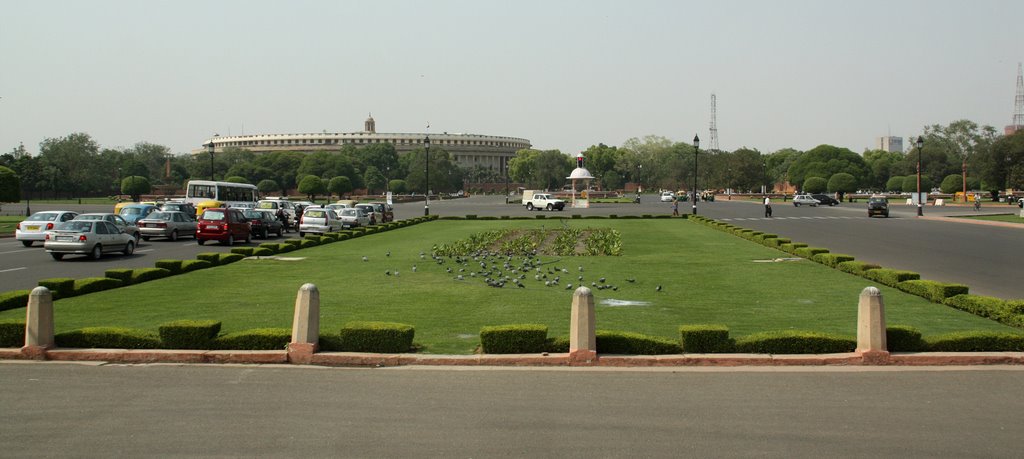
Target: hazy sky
{"type": "Point", "coordinates": [563, 74]}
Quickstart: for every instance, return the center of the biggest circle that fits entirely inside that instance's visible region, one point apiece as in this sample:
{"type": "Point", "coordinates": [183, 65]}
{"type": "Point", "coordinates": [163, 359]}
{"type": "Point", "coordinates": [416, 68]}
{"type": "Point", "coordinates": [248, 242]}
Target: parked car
{"type": "Point", "coordinates": [184, 207]}
{"type": "Point", "coordinates": [805, 199]}
{"type": "Point", "coordinates": [878, 205]}
{"type": "Point", "coordinates": [825, 199]}
{"type": "Point", "coordinates": [386, 211]}
{"type": "Point", "coordinates": [318, 220]}
{"type": "Point", "coordinates": [87, 237]}
{"type": "Point", "coordinates": [668, 196]}
{"type": "Point", "coordinates": [264, 222]}
{"type": "Point", "coordinates": [134, 212]}
{"type": "Point", "coordinates": [274, 204]}
{"type": "Point", "coordinates": [223, 224]}
{"type": "Point", "coordinates": [34, 227]}
{"type": "Point", "coordinates": [352, 217]}
{"type": "Point", "coordinates": [117, 220]}
{"type": "Point", "coordinates": [371, 211]}
{"type": "Point", "coordinates": [170, 224]}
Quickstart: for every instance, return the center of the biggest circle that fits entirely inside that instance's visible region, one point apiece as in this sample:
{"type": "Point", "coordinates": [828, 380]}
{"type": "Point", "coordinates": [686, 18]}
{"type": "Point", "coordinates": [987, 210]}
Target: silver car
{"type": "Point", "coordinates": [170, 224]}
{"type": "Point", "coordinates": [352, 217]}
{"type": "Point", "coordinates": [117, 220]}
{"type": "Point", "coordinates": [318, 220]}
{"type": "Point", "coordinates": [34, 228]}
{"type": "Point", "coordinates": [375, 217]}
{"type": "Point", "coordinates": [805, 199]}
{"type": "Point", "coordinates": [87, 237]}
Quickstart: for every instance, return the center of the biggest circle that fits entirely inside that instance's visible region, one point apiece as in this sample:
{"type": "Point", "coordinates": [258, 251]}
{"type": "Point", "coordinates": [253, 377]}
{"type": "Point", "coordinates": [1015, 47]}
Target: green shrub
{"type": "Point", "coordinates": [295, 243]}
{"type": "Point", "coordinates": [174, 266]}
{"type": "Point", "coordinates": [903, 338]}
{"type": "Point", "coordinates": [540, 217]}
{"type": "Point", "coordinates": [557, 344]}
{"type": "Point", "coordinates": [792, 247]}
{"type": "Point", "coordinates": [271, 246]}
{"type": "Point", "coordinates": [228, 258]}
{"type": "Point", "coordinates": [832, 259]}
{"type": "Point", "coordinates": [856, 267]}
{"type": "Point", "coordinates": [107, 337]}
{"type": "Point", "coordinates": [619, 342]}
{"type": "Point", "coordinates": [514, 339]}
{"type": "Point", "coordinates": [62, 287]}
{"type": "Point", "coordinates": [702, 339]}
{"type": "Point", "coordinates": [976, 341]}
{"type": "Point", "coordinates": [243, 251]}
{"type": "Point", "coordinates": [382, 337]}
{"type": "Point", "coordinates": [470, 217]}
{"type": "Point", "coordinates": [189, 334]}
{"type": "Point", "coordinates": [307, 243]}
{"type": "Point", "coordinates": [937, 292]}
{"type": "Point", "coordinates": [212, 257]}
{"type": "Point", "coordinates": [14, 299]}
{"type": "Point", "coordinates": [983, 306]}
{"type": "Point", "coordinates": [777, 242]}
{"type": "Point", "coordinates": [193, 265]}
{"type": "Point", "coordinates": [122, 274]}
{"type": "Point", "coordinates": [809, 252]}
{"type": "Point", "coordinates": [12, 333]}
{"type": "Point", "coordinates": [257, 339]}
{"type": "Point", "coordinates": [95, 284]}
{"type": "Point", "coordinates": [262, 252]}
{"type": "Point", "coordinates": [794, 342]}
{"type": "Point", "coordinates": [140, 275]}
{"type": "Point", "coordinates": [890, 277]}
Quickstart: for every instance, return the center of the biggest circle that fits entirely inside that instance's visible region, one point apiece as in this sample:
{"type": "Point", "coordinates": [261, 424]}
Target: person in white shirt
{"type": "Point", "coordinates": [767, 207]}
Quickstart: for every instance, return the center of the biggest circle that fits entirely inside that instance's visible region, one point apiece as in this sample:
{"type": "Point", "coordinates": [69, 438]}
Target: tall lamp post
{"type": "Point", "coordinates": [696, 148]}
{"type": "Point", "coordinates": [426, 203]}
{"type": "Point", "coordinates": [920, 145]}
{"type": "Point", "coordinates": [505, 167]}
{"type": "Point", "coordinates": [210, 149]}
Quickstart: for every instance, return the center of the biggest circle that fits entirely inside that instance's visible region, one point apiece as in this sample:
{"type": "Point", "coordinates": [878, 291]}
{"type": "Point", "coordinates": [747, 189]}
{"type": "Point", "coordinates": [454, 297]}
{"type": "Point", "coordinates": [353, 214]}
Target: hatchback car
{"type": "Point", "coordinates": [878, 205]}
{"type": "Point", "coordinates": [117, 220]}
{"type": "Point", "coordinates": [184, 207]}
{"type": "Point", "coordinates": [668, 196]}
{"type": "Point", "coordinates": [263, 222]}
{"type": "Point", "coordinates": [318, 220]}
{"type": "Point", "coordinates": [34, 227]}
{"type": "Point", "coordinates": [375, 217]}
{"type": "Point", "coordinates": [352, 217]}
{"type": "Point", "coordinates": [805, 199]}
{"type": "Point", "coordinates": [170, 224]}
{"type": "Point", "coordinates": [134, 212]}
{"type": "Point", "coordinates": [223, 224]}
{"type": "Point", "coordinates": [87, 237]}
{"type": "Point", "coordinates": [826, 200]}
{"type": "Point", "coordinates": [385, 210]}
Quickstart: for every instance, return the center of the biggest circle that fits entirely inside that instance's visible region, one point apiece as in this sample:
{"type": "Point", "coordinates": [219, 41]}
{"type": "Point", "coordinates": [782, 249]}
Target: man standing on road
{"type": "Point", "coordinates": [675, 207]}
{"type": "Point", "coordinates": [767, 207]}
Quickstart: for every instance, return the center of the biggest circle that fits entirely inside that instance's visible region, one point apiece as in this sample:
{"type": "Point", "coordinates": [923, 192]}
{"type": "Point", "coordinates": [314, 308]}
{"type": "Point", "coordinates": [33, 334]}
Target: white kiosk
{"type": "Point", "coordinates": [580, 173]}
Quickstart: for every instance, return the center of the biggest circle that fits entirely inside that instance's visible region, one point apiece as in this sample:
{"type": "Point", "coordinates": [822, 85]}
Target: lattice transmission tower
{"type": "Point", "coordinates": [713, 141]}
{"type": "Point", "coordinates": [1018, 104]}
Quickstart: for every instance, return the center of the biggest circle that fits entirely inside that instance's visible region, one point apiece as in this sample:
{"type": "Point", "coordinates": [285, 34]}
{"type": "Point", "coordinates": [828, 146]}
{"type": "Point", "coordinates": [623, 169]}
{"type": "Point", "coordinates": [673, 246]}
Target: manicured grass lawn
{"type": "Point", "coordinates": [1011, 218]}
{"type": "Point", "coordinates": [7, 223]}
{"type": "Point", "coordinates": [707, 276]}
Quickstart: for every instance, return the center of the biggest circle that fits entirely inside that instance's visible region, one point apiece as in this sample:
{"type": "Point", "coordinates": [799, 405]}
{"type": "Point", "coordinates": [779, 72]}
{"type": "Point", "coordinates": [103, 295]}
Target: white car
{"type": "Point", "coordinates": [667, 196]}
{"type": "Point", "coordinates": [34, 228]}
{"type": "Point", "coordinates": [376, 218]}
{"type": "Point", "coordinates": [87, 237]}
{"type": "Point", "coordinates": [318, 220]}
{"type": "Point", "coordinates": [352, 217]}
{"type": "Point", "coordinates": [805, 199]}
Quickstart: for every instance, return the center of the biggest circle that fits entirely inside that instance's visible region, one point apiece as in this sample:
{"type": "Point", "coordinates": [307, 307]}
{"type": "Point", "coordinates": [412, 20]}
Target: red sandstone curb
{"type": "Point", "coordinates": [356, 359]}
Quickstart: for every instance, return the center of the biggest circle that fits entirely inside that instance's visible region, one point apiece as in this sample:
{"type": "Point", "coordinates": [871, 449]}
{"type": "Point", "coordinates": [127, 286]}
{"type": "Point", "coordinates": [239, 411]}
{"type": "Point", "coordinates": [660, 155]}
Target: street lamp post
{"type": "Point", "coordinates": [426, 203]}
{"type": "Point", "coordinates": [920, 145]}
{"type": "Point", "coordinates": [640, 179]}
{"type": "Point", "coordinates": [696, 148]}
{"type": "Point", "coordinates": [505, 167]}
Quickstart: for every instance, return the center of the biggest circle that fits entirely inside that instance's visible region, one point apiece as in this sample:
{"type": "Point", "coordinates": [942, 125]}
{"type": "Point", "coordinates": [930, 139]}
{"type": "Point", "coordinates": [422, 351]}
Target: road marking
{"type": "Point", "coordinates": [17, 251]}
{"type": "Point", "coordinates": [144, 250]}
{"type": "Point", "coordinates": [12, 269]}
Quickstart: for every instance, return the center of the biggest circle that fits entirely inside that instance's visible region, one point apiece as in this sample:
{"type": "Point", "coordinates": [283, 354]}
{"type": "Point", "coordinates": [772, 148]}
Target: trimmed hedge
{"type": "Point", "coordinates": [620, 342]}
{"type": "Point", "coordinates": [107, 337]}
{"type": "Point", "coordinates": [271, 246]}
{"type": "Point", "coordinates": [62, 287]}
{"type": "Point", "coordinates": [856, 267]}
{"type": "Point", "coordinates": [194, 265]}
{"type": "Point", "coordinates": [189, 334]}
{"type": "Point", "coordinates": [903, 338]}
{"type": "Point", "coordinates": [557, 344]}
{"type": "Point", "coordinates": [794, 342]}
{"type": "Point", "coordinates": [385, 337]}
{"type": "Point", "coordinates": [12, 333]}
{"type": "Point", "coordinates": [174, 266]}
{"type": "Point", "coordinates": [122, 274]}
{"type": "Point", "coordinates": [140, 275]}
{"type": "Point", "coordinates": [243, 251]}
{"type": "Point", "coordinates": [257, 339]}
{"type": "Point", "coordinates": [96, 284]}
{"type": "Point", "coordinates": [212, 257]}
{"type": "Point", "coordinates": [890, 277]}
{"type": "Point", "coordinates": [832, 259]}
{"type": "Point", "coordinates": [984, 306]}
{"type": "Point", "coordinates": [976, 341]}
{"type": "Point", "coordinates": [809, 252]}
{"type": "Point", "coordinates": [307, 243]}
{"type": "Point", "coordinates": [514, 339]}
{"type": "Point", "coordinates": [228, 258]}
{"type": "Point", "coordinates": [14, 299]}
{"type": "Point", "coordinates": [295, 243]}
{"type": "Point", "coordinates": [703, 339]}
{"type": "Point", "coordinates": [262, 252]}
{"type": "Point", "coordinates": [937, 292]}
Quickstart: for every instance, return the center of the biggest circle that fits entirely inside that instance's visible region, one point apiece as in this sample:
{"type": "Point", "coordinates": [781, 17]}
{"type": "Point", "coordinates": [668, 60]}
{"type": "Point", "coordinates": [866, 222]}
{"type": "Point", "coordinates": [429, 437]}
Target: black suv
{"type": "Point", "coordinates": [825, 199]}
{"type": "Point", "coordinates": [878, 205]}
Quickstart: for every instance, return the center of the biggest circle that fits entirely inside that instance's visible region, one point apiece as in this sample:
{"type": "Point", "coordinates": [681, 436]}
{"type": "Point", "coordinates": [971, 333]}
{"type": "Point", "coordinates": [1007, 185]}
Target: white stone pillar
{"type": "Point", "coordinates": [305, 325]}
{"type": "Point", "coordinates": [582, 341]}
{"type": "Point", "coordinates": [38, 323]}
{"type": "Point", "coordinates": [871, 325]}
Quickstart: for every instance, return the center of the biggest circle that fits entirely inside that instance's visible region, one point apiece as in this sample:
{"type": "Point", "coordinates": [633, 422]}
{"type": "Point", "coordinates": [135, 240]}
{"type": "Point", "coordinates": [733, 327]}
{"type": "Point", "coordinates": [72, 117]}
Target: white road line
{"type": "Point", "coordinates": [144, 250]}
{"type": "Point", "coordinates": [17, 251]}
{"type": "Point", "coordinates": [12, 269]}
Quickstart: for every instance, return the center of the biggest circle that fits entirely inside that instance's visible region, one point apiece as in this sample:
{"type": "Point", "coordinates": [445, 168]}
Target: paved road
{"type": "Point", "coordinates": [59, 409]}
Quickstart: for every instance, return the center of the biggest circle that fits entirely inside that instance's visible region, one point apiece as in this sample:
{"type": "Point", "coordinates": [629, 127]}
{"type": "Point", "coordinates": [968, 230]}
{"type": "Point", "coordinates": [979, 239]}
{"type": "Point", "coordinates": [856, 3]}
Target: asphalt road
{"type": "Point", "coordinates": [60, 409]}
{"type": "Point", "coordinates": [986, 258]}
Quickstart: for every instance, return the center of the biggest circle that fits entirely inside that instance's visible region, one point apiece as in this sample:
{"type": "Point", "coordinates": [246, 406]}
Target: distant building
{"type": "Point", "coordinates": [1018, 106]}
{"type": "Point", "coordinates": [890, 144]}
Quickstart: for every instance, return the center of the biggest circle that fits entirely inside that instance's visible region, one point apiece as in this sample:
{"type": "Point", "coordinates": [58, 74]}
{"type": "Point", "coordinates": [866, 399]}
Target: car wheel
{"type": "Point", "coordinates": [174, 235]}
{"type": "Point", "coordinates": [200, 241]}
{"type": "Point", "coordinates": [97, 252]}
{"type": "Point", "coordinates": [57, 256]}
{"type": "Point", "coordinates": [230, 240]}
{"type": "Point", "coordinates": [26, 243]}
{"type": "Point", "coordinates": [796, 204]}
{"type": "Point", "coordinates": [549, 207]}
{"type": "Point", "coordinates": [265, 233]}
{"type": "Point", "coordinates": [129, 248]}
{"type": "Point", "coordinates": [529, 206]}
{"type": "Point", "coordinates": [279, 231]}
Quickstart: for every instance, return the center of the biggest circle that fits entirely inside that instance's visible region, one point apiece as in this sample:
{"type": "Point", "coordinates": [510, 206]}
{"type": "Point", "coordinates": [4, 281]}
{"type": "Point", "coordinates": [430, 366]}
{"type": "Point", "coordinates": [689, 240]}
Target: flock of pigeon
{"type": "Point", "coordinates": [498, 270]}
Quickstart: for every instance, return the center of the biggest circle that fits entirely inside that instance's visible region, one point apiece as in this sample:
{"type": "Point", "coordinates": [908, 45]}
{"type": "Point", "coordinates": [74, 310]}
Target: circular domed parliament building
{"type": "Point", "coordinates": [467, 150]}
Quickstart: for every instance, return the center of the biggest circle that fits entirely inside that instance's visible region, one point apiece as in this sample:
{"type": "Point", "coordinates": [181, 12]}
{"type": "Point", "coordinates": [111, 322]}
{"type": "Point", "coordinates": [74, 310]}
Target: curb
{"type": "Point", "coordinates": [359, 359]}
{"type": "Point", "coordinates": [972, 221]}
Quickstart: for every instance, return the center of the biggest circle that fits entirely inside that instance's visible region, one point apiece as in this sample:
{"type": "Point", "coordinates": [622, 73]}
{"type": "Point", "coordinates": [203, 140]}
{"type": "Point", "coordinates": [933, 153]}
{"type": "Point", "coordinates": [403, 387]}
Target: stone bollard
{"type": "Point", "coordinates": [871, 327]}
{"type": "Point", "coordinates": [305, 325]}
{"type": "Point", "coordinates": [582, 341]}
{"type": "Point", "coordinates": [38, 324]}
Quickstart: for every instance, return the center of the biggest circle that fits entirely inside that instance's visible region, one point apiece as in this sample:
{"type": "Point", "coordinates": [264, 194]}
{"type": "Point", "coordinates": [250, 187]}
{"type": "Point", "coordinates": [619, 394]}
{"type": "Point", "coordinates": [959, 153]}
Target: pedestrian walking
{"type": "Point", "coordinates": [767, 207]}
{"type": "Point", "coordinates": [675, 207]}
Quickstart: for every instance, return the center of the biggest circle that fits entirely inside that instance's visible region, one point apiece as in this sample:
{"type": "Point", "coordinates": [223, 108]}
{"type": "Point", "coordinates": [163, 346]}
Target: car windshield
{"type": "Point", "coordinates": [81, 226]}
{"type": "Point", "coordinates": [160, 216]}
{"type": "Point", "coordinates": [131, 211]}
{"type": "Point", "coordinates": [316, 214]}
{"type": "Point", "coordinates": [266, 205]}
{"type": "Point", "coordinates": [213, 215]}
{"type": "Point", "coordinates": [89, 217]}
{"type": "Point", "coordinates": [877, 200]}
{"type": "Point", "coordinates": [348, 212]}
{"type": "Point", "coordinates": [42, 217]}
{"type": "Point", "coordinates": [253, 214]}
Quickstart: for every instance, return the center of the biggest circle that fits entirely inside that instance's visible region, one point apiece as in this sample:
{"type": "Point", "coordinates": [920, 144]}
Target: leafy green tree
{"type": "Point", "coordinates": [70, 166]}
{"type": "Point", "coordinates": [951, 184]}
{"type": "Point", "coordinates": [10, 185]}
{"type": "Point", "coordinates": [1002, 166]}
{"type": "Point", "coordinates": [842, 183]}
{"type": "Point", "coordinates": [962, 141]}
{"type": "Point", "coordinates": [339, 185]}
{"type": "Point", "coordinates": [521, 168]}
{"type": "Point", "coordinates": [827, 160]}
{"type": "Point", "coordinates": [895, 183]}
{"type": "Point", "coordinates": [311, 185]}
{"type": "Point", "coordinates": [815, 185]}
{"type": "Point", "coordinates": [600, 160]}
{"type": "Point", "coordinates": [910, 184]}
{"type": "Point", "coordinates": [445, 176]}
{"type": "Point", "coordinates": [135, 186]}
{"type": "Point", "coordinates": [236, 179]}
{"type": "Point", "coordinates": [881, 163]}
{"type": "Point", "coordinates": [552, 168]}
{"type": "Point", "coordinates": [611, 180]}
{"type": "Point", "coordinates": [398, 186]}
{"type": "Point", "coordinates": [267, 186]}
{"type": "Point", "coordinates": [374, 180]}
{"type": "Point", "coordinates": [779, 163]}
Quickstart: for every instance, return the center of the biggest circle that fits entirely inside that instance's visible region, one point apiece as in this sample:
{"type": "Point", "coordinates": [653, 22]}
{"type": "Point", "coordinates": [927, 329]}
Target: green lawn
{"type": "Point", "coordinates": [7, 223]}
{"type": "Point", "coordinates": [1011, 218]}
{"type": "Point", "coordinates": [707, 276]}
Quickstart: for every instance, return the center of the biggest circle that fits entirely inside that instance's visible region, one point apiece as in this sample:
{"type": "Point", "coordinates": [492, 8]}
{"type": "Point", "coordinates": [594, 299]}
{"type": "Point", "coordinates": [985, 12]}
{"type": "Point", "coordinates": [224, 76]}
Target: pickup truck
{"type": "Point", "coordinates": [543, 201]}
